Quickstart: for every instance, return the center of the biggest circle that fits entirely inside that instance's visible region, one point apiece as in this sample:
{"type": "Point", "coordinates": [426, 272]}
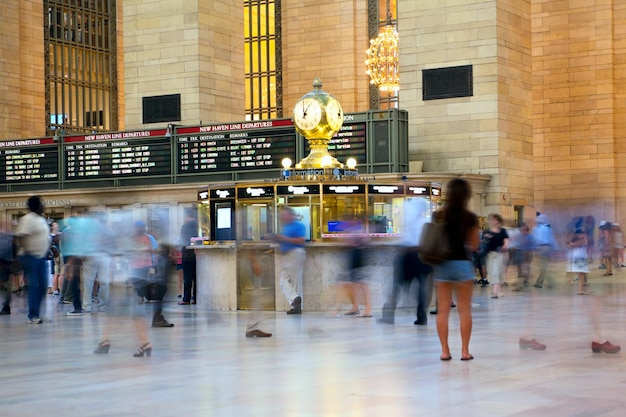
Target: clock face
{"type": "Point", "coordinates": [334, 114]}
{"type": "Point", "coordinates": [308, 114]}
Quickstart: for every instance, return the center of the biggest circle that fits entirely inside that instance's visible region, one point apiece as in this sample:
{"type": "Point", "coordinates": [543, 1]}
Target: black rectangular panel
{"type": "Point", "coordinates": [386, 189]}
{"type": "Point", "coordinates": [344, 189]}
{"type": "Point", "coordinates": [159, 109]}
{"type": "Point", "coordinates": [222, 193]}
{"type": "Point", "coordinates": [298, 189]}
{"type": "Point", "coordinates": [447, 82]}
{"type": "Point", "coordinates": [381, 141]}
{"type": "Point", "coordinates": [95, 157]}
{"type": "Point", "coordinates": [235, 150]}
{"type": "Point", "coordinates": [349, 142]}
{"type": "Point", "coordinates": [255, 192]}
{"type": "Point", "coordinates": [30, 160]}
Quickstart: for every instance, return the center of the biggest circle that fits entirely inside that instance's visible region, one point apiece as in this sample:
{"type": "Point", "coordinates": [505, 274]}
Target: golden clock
{"type": "Point", "coordinates": [318, 117]}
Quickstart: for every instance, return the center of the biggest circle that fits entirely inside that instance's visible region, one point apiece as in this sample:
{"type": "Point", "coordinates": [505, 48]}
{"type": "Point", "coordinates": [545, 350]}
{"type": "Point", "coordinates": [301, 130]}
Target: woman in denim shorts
{"type": "Point", "coordinates": [457, 273]}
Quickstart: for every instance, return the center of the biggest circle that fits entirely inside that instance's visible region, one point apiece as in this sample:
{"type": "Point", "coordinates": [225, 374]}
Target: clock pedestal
{"type": "Point", "coordinates": [319, 156]}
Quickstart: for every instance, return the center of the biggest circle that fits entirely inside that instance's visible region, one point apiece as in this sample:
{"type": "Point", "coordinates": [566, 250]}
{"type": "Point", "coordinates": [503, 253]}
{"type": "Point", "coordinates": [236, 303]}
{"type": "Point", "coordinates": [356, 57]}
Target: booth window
{"type": "Point", "coordinates": [80, 66]}
{"type": "Point", "coordinates": [263, 67]}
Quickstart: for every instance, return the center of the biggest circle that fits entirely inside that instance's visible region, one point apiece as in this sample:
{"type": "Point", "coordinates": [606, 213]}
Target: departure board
{"type": "Point", "coordinates": [113, 155]}
{"type": "Point", "coordinates": [235, 147]}
{"type": "Point", "coordinates": [29, 160]}
{"type": "Point", "coordinates": [349, 142]}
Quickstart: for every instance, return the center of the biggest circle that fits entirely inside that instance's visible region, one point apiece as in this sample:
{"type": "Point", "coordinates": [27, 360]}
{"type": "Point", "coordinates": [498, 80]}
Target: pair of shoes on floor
{"type": "Point", "coordinates": [257, 333]}
{"type": "Point", "coordinates": [35, 320]}
{"type": "Point", "coordinates": [183, 303]}
{"type": "Point", "coordinates": [606, 347]}
{"type": "Point", "coordinates": [296, 306]}
{"type": "Point", "coordinates": [531, 344]}
{"type": "Point", "coordinates": [420, 323]}
{"type": "Point", "coordinates": [464, 358]}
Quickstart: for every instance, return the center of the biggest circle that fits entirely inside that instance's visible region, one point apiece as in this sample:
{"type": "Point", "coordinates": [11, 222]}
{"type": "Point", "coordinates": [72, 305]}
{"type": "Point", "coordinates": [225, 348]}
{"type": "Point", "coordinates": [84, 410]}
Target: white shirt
{"type": "Point", "coordinates": [34, 235]}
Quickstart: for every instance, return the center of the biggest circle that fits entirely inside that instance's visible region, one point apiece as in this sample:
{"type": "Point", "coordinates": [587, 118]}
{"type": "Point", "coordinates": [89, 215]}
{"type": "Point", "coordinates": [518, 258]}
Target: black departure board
{"type": "Point", "coordinates": [235, 147]}
{"type": "Point", "coordinates": [29, 160]}
{"type": "Point", "coordinates": [349, 142]}
{"type": "Point", "coordinates": [113, 155]}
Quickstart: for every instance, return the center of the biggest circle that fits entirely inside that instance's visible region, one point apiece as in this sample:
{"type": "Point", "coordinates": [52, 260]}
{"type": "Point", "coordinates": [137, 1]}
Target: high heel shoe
{"type": "Point", "coordinates": [103, 347]}
{"type": "Point", "coordinates": [145, 349]}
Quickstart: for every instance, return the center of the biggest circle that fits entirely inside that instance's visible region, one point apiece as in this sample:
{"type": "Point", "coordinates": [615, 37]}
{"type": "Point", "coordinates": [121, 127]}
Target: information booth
{"type": "Point", "coordinates": [330, 211]}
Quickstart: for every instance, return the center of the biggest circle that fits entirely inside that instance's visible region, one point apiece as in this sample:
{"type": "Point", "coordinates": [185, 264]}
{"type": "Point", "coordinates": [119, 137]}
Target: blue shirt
{"type": "Point", "coordinates": [543, 236]}
{"type": "Point", "coordinates": [292, 230]}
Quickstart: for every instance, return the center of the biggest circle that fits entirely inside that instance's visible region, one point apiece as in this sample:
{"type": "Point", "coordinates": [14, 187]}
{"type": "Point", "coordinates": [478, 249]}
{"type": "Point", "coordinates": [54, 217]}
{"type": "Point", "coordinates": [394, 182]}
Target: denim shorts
{"type": "Point", "coordinates": [454, 271]}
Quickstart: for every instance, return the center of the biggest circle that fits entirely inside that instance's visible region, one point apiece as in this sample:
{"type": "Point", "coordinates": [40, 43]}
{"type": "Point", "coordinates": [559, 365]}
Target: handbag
{"type": "Point", "coordinates": [434, 244]}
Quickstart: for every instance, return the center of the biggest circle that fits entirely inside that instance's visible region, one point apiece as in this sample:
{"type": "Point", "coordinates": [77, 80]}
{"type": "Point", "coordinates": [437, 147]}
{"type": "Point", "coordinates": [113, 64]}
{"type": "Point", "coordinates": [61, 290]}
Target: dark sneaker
{"type": "Point", "coordinates": [35, 320]}
{"type": "Point", "coordinates": [75, 313]}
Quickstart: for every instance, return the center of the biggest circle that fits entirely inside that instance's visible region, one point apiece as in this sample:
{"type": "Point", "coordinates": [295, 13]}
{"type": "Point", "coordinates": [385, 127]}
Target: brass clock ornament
{"type": "Point", "coordinates": [318, 116]}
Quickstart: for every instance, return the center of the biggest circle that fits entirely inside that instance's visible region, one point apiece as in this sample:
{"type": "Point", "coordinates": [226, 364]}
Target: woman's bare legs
{"type": "Point", "coordinates": [582, 278]}
{"type": "Point", "coordinates": [464, 291]}
{"type": "Point", "coordinates": [180, 281]}
{"type": "Point", "coordinates": [364, 292]}
{"type": "Point", "coordinates": [142, 330]}
{"type": "Point", "coordinates": [444, 301]}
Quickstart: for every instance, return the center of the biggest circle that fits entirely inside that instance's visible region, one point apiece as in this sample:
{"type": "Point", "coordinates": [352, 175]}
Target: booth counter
{"type": "Point", "coordinates": [229, 274]}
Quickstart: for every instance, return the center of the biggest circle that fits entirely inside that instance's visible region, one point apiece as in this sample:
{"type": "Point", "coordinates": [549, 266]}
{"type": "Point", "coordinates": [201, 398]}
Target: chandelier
{"type": "Point", "coordinates": [382, 60]}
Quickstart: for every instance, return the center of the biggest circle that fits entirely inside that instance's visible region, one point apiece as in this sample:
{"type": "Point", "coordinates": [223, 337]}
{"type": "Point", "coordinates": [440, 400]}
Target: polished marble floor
{"type": "Point", "coordinates": [321, 366]}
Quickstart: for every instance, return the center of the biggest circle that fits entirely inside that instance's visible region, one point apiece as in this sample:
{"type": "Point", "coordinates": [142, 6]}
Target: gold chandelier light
{"type": "Point", "coordinates": [382, 60]}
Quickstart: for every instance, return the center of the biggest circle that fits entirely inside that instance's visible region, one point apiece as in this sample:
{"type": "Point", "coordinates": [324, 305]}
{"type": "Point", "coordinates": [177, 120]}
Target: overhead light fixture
{"type": "Point", "coordinates": [382, 58]}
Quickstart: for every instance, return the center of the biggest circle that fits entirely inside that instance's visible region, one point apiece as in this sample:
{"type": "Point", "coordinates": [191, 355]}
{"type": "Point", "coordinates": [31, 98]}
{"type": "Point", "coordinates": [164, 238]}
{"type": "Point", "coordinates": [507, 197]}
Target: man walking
{"type": "Point", "coordinates": [545, 243]}
{"type": "Point", "coordinates": [291, 240]}
{"type": "Point", "coordinates": [189, 230]}
{"type": "Point", "coordinates": [33, 236]}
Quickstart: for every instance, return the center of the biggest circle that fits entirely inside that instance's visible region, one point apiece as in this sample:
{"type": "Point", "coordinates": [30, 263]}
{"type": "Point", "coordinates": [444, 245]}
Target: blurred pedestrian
{"type": "Point", "coordinates": [7, 258]}
{"type": "Point", "coordinates": [546, 244]}
{"type": "Point", "coordinates": [356, 287]}
{"type": "Point", "coordinates": [578, 261]}
{"type": "Point", "coordinates": [523, 256]}
{"type": "Point", "coordinates": [291, 241]}
{"type": "Point", "coordinates": [138, 248]}
{"type": "Point", "coordinates": [33, 236]}
{"type": "Point", "coordinates": [456, 273]}
{"type": "Point", "coordinates": [590, 230]}
{"type": "Point", "coordinates": [176, 256]}
{"type": "Point", "coordinates": [606, 247]}
{"type": "Point", "coordinates": [409, 268]}
{"type": "Point", "coordinates": [618, 245]}
{"type": "Point", "coordinates": [57, 261]}
{"type": "Point", "coordinates": [188, 231]}
{"type": "Point", "coordinates": [158, 286]}
{"type": "Point", "coordinates": [98, 246]}
{"type": "Point", "coordinates": [497, 242]}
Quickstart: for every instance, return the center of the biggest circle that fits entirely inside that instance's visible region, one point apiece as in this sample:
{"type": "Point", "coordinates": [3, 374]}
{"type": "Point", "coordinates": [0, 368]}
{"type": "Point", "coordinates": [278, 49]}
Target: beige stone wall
{"type": "Point", "coordinates": [514, 183]}
{"type": "Point", "coordinates": [121, 107]}
{"type": "Point", "coordinates": [194, 48]}
{"type": "Point", "coordinates": [578, 105]}
{"type": "Point", "coordinates": [619, 106]}
{"type": "Point", "coordinates": [490, 132]}
{"type": "Point", "coordinates": [22, 105]}
{"type": "Point", "coordinates": [326, 39]}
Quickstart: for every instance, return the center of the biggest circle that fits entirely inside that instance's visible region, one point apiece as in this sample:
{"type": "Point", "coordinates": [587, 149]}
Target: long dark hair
{"type": "Point", "coordinates": [457, 195]}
